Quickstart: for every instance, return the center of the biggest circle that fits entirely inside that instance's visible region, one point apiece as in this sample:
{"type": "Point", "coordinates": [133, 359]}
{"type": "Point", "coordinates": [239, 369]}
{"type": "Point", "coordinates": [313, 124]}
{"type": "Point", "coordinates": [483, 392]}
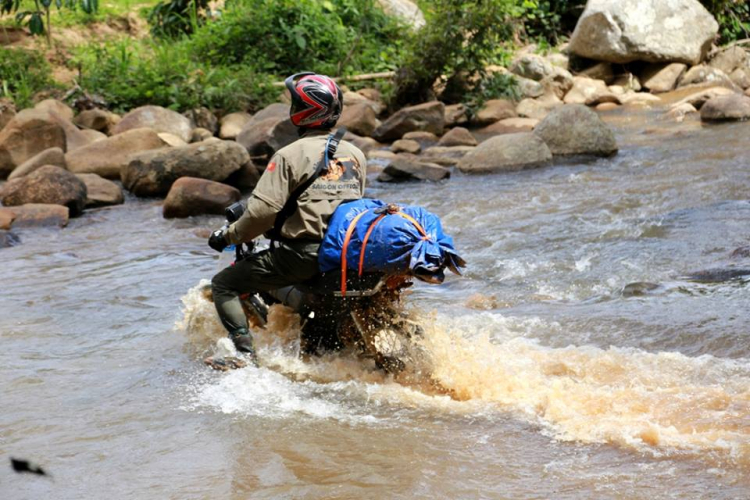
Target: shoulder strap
{"type": "Point", "coordinates": [290, 206]}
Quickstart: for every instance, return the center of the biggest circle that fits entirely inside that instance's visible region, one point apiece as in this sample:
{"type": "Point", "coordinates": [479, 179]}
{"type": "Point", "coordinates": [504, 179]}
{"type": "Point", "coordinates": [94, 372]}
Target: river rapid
{"type": "Point", "coordinates": [552, 378]}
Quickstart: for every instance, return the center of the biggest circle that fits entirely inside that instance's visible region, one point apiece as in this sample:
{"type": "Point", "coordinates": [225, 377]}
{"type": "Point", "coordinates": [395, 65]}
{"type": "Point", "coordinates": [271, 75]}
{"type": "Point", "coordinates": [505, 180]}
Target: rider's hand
{"type": "Point", "coordinates": [218, 240]}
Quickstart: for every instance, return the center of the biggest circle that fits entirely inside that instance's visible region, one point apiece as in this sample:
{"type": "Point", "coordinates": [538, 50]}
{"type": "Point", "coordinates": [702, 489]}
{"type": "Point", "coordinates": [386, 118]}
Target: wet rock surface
{"type": "Point", "coordinates": [47, 185]}
{"type": "Point", "coordinates": [576, 130]}
{"type": "Point", "coordinates": [507, 153]}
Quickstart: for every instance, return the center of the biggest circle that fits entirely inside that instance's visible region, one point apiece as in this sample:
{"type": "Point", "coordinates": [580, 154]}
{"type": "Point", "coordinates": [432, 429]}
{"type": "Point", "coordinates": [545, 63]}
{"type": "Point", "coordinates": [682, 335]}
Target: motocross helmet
{"type": "Point", "coordinates": [316, 100]}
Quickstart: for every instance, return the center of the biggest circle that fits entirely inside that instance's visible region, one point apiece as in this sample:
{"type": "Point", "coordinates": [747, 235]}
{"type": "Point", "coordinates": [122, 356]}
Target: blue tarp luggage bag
{"type": "Point", "coordinates": [395, 238]}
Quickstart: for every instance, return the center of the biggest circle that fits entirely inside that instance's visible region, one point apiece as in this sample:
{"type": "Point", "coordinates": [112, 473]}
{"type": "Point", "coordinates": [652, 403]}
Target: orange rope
{"type": "Point", "coordinates": [364, 242]}
{"type": "Point", "coordinates": [416, 224]}
{"type": "Point", "coordinates": [345, 247]}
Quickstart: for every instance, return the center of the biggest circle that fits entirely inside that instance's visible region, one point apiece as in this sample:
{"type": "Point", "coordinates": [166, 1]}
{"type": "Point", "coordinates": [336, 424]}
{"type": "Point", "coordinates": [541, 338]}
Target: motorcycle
{"type": "Point", "coordinates": [367, 319]}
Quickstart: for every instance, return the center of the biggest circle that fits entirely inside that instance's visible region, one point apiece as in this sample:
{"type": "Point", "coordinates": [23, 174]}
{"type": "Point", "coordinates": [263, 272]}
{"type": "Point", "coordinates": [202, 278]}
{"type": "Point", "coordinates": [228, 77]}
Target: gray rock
{"type": "Point", "coordinates": [106, 158]}
{"type": "Point", "coordinates": [699, 98]}
{"type": "Point", "coordinates": [429, 117]}
{"type": "Point", "coordinates": [507, 153]}
{"type": "Point", "coordinates": [733, 107]}
{"type": "Point", "coordinates": [47, 185]}
{"type": "Point", "coordinates": [100, 192]}
{"type": "Point", "coordinates": [58, 107]}
{"type": "Point", "coordinates": [457, 136]}
{"type": "Point", "coordinates": [729, 59]}
{"type": "Point", "coordinates": [702, 75]}
{"type": "Point", "coordinates": [51, 156]}
{"type": "Point", "coordinates": [600, 71]}
{"type": "Point", "coordinates": [96, 119]}
{"type": "Point", "coordinates": [589, 92]}
{"type": "Point", "coordinates": [719, 275]}
{"type": "Point", "coordinates": [576, 130]}
{"type": "Point", "coordinates": [639, 289]}
{"type": "Point", "coordinates": [532, 66]}
{"type": "Point", "coordinates": [406, 10]}
{"type": "Point", "coordinates": [407, 169]}
{"type": "Point", "coordinates": [359, 119]}
{"type": "Point", "coordinates": [495, 110]}
{"type": "Point", "coordinates": [202, 118]}
{"type": "Point", "coordinates": [662, 77]}
{"type": "Point", "coordinates": [190, 196]}
{"type": "Point", "coordinates": [232, 124]}
{"type": "Point", "coordinates": [455, 114]}
{"type": "Point", "coordinates": [528, 88]}
{"type": "Point", "coordinates": [622, 31]}
{"type": "Point", "coordinates": [741, 77]}
{"type": "Point", "coordinates": [39, 215]}
{"type": "Point", "coordinates": [152, 173]}
{"type": "Point", "coordinates": [200, 135]}
{"type": "Point", "coordinates": [406, 146]}
{"type": "Point", "coordinates": [26, 135]}
{"type": "Point", "coordinates": [160, 119]}
{"type": "Point", "coordinates": [446, 156]}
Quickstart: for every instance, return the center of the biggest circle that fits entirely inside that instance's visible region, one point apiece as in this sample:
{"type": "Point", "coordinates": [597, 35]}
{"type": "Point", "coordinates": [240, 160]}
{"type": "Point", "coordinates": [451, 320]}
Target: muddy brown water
{"type": "Point", "coordinates": [560, 385]}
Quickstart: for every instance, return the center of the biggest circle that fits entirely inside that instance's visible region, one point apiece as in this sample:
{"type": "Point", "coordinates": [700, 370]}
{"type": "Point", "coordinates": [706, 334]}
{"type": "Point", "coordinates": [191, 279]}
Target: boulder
{"type": "Point", "coordinates": [100, 191]}
{"type": "Point", "coordinates": [600, 71]}
{"type": "Point", "coordinates": [421, 137]}
{"type": "Point", "coordinates": [532, 66]}
{"type": "Point", "coordinates": [202, 118]}
{"type": "Point", "coordinates": [704, 75]}
{"type": "Point", "coordinates": [607, 106]}
{"type": "Point", "coordinates": [192, 196]}
{"type": "Point", "coordinates": [7, 112]}
{"type": "Point", "coordinates": [537, 109]}
{"type": "Point", "coordinates": [74, 137]}
{"type": "Point", "coordinates": [507, 152]}
{"type": "Point", "coordinates": [457, 136]}
{"type": "Point", "coordinates": [509, 126]}
{"type": "Point", "coordinates": [747, 92]}
{"type": "Point", "coordinates": [429, 117]}
{"type": "Point", "coordinates": [589, 92]}
{"type": "Point", "coordinates": [700, 97]}
{"type": "Point", "coordinates": [363, 143]}
{"type": "Point", "coordinates": [406, 146]}
{"type": "Point", "coordinates": [93, 135]}
{"type": "Point", "coordinates": [623, 31]}
{"type": "Point", "coordinates": [732, 107]}
{"type": "Point", "coordinates": [152, 173]}
{"type": "Point", "coordinates": [559, 83]}
{"type": "Point", "coordinates": [172, 140]}
{"type": "Point", "coordinates": [446, 155]}
{"type": "Point", "coordinates": [29, 133]}
{"type": "Point", "coordinates": [38, 215]}
{"type": "Point", "coordinates": [160, 119]}
{"type": "Point", "coordinates": [628, 82]}
{"type": "Point", "coordinates": [276, 110]}
{"type": "Point", "coordinates": [96, 119]}
{"type": "Point", "coordinates": [200, 134]}
{"type": "Point", "coordinates": [729, 59]}
{"type": "Point", "coordinates": [678, 113]}
{"type": "Point", "coordinates": [355, 98]}
{"type": "Point", "coordinates": [262, 139]}
{"type": "Point", "coordinates": [106, 158]}
{"type": "Point", "coordinates": [51, 156]}
{"type": "Point", "coordinates": [371, 94]}
{"type": "Point", "coordinates": [58, 107]}
{"type": "Point", "coordinates": [407, 169]}
{"type": "Point", "coordinates": [529, 88]}
{"type": "Point", "coordinates": [232, 124]}
{"type": "Point", "coordinates": [576, 130]}
{"type": "Point", "coordinates": [495, 110]}
{"type": "Point", "coordinates": [662, 77]}
{"type": "Point", "coordinates": [406, 10]}
{"type": "Point", "coordinates": [455, 114]}
{"type": "Point", "coordinates": [47, 185]}
{"type": "Point", "coordinates": [247, 177]}
{"type": "Point", "coordinates": [741, 77]}
{"type": "Point", "coordinates": [359, 118]}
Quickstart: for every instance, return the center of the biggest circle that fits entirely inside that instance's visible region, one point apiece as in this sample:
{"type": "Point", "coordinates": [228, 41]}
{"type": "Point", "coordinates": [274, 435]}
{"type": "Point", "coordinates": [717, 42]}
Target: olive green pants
{"type": "Point", "coordinates": [287, 264]}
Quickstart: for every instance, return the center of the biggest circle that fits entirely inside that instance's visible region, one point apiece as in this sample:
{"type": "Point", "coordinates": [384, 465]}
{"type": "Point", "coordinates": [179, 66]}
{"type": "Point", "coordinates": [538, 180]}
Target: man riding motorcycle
{"type": "Point", "coordinates": [295, 221]}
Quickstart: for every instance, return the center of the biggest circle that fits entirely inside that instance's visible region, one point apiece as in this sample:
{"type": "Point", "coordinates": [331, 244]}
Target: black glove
{"type": "Point", "coordinates": [218, 240]}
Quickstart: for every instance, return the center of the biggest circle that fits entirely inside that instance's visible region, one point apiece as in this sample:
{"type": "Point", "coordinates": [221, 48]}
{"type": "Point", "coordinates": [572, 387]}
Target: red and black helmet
{"type": "Point", "coordinates": [316, 100]}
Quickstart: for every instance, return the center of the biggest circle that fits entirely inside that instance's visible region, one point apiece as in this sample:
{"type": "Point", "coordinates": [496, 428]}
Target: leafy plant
{"type": "Point", "coordinates": [733, 17]}
{"type": "Point", "coordinates": [42, 9]}
{"type": "Point", "coordinates": [23, 73]}
{"type": "Point", "coordinates": [177, 17]}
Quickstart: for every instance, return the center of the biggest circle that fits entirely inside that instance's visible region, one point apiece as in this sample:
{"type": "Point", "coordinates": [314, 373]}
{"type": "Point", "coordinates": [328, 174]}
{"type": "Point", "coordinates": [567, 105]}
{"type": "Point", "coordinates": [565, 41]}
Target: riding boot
{"type": "Point", "coordinates": [243, 342]}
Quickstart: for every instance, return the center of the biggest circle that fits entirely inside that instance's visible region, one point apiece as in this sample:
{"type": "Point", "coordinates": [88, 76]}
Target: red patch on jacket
{"type": "Point", "coordinates": [271, 167]}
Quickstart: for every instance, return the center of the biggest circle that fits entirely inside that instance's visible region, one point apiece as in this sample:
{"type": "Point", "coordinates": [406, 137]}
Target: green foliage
{"type": "Point", "coordinates": [35, 18]}
{"type": "Point", "coordinates": [287, 36]}
{"type": "Point", "coordinates": [128, 75]}
{"type": "Point", "coordinates": [492, 86]}
{"type": "Point", "coordinates": [549, 21]}
{"type": "Point", "coordinates": [23, 73]}
{"type": "Point", "coordinates": [177, 17]}
{"type": "Point", "coordinates": [460, 38]}
{"type": "Point", "coordinates": [733, 17]}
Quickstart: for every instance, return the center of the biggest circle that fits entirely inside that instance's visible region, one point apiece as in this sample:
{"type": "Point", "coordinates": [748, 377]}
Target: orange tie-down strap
{"type": "Point", "coordinates": [350, 232]}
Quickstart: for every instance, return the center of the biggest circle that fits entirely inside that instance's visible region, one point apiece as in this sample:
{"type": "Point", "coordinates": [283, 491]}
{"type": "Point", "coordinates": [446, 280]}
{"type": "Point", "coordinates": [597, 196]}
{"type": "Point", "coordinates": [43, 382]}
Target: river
{"type": "Point", "coordinates": [558, 384]}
